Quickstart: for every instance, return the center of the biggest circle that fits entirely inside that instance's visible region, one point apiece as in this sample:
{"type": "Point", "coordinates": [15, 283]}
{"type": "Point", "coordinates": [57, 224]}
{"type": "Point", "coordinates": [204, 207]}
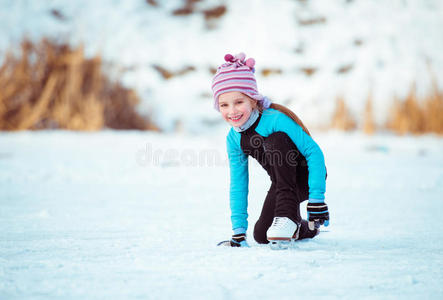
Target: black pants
{"type": "Point", "coordinates": [289, 175]}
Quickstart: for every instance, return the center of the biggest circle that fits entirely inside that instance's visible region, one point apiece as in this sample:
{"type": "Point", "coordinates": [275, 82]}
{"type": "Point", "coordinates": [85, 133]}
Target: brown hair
{"type": "Point", "coordinates": [290, 114]}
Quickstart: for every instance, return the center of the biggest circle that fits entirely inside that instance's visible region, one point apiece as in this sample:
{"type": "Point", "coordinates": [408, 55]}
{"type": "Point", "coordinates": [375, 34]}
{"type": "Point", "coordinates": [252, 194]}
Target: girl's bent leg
{"type": "Point", "coordinates": [266, 217]}
{"type": "Point", "coordinates": [288, 173]}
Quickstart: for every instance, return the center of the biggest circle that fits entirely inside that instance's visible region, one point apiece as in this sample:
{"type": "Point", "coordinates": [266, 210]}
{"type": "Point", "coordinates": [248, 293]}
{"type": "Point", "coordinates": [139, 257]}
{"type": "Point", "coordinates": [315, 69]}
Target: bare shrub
{"type": "Point", "coordinates": [369, 126]}
{"type": "Point", "coordinates": [168, 74]}
{"type": "Point", "coordinates": [270, 71]}
{"type": "Point", "coordinates": [215, 12]}
{"type": "Point", "coordinates": [308, 71]}
{"type": "Point", "coordinates": [152, 2]}
{"type": "Point", "coordinates": [417, 116]}
{"type": "Point", "coordinates": [342, 118]}
{"type": "Point", "coordinates": [52, 85]}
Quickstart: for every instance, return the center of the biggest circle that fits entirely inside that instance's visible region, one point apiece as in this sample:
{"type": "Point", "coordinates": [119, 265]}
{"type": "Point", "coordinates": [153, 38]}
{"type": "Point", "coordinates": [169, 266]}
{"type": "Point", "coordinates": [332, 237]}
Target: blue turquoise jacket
{"type": "Point", "coordinates": [271, 121]}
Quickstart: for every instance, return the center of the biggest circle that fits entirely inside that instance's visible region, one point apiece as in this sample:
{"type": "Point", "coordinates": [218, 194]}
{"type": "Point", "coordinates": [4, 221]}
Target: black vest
{"type": "Point", "coordinates": [252, 144]}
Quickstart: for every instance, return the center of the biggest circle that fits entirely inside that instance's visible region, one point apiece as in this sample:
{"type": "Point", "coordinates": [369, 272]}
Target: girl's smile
{"type": "Point", "coordinates": [235, 107]}
{"type": "Point", "coordinates": [236, 118]}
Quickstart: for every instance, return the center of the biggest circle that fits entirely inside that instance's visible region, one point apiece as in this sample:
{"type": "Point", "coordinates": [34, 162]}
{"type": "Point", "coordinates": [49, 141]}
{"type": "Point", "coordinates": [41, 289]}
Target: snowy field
{"type": "Point", "coordinates": [115, 215]}
{"type": "Point", "coordinates": [381, 47]}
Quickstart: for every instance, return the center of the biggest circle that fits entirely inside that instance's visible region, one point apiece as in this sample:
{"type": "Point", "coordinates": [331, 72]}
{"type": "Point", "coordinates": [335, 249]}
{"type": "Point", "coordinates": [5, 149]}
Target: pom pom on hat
{"type": "Point", "coordinates": [250, 62]}
{"type": "Point", "coordinates": [239, 60]}
{"type": "Point", "coordinates": [229, 57]}
{"type": "Point", "coordinates": [241, 56]}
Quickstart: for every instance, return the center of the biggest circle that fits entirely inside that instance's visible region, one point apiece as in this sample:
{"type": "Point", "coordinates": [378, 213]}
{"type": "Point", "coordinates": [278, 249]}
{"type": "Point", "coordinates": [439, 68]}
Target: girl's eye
{"type": "Point", "coordinates": [240, 101]}
{"type": "Point", "coordinates": [222, 105]}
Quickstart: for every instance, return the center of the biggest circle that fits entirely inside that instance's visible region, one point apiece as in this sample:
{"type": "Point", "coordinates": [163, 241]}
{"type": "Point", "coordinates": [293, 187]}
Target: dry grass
{"type": "Point", "coordinates": [210, 15]}
{"type": "Point", "coordinates": [417, 116]}
{"type": "Point", "coordinates": [212, 70]}
{"type": "Point", "coordinates": [168, 74]}
{"type": "Point", "coordinates": [215, 12]}
{"type": "Point", "coordinates": [54, 86]}
{"type": "Point", "coordinates": [271, 71]}
{"type": "Point", "coordinates": [186, 9]}
{"type": "Point", "coordinates": [342, 118]}
{"type": "Point", "coordinates": [409, 115]}
{"type": "Point", "coordinates": [369, 126]}
{"type": "Point", "coordinates": [152, 2]}
{"type": "Point", "coordinates": [308, 71]}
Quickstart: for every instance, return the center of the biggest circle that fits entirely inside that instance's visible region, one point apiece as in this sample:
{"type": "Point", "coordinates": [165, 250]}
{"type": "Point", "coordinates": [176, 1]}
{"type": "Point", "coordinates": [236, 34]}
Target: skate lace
{"type": "Point", "coordinates": [279, 222]}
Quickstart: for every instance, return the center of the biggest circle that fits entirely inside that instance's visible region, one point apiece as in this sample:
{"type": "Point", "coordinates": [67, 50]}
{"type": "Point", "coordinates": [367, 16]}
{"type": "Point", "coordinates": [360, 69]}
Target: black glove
{"type": "Point", "coordinates": [237, 240]}
{"type": "Point", "coordinates": [318, 214]}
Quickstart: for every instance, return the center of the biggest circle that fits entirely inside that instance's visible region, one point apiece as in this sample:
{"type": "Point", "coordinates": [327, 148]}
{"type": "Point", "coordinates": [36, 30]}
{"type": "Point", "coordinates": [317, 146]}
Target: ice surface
{"type": "Point", "coordinates": [121, 215]}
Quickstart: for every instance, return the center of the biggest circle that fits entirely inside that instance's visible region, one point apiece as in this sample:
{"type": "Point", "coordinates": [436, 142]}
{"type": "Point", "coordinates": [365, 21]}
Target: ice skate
{"type": "Point", "coordinates": [282, 231]}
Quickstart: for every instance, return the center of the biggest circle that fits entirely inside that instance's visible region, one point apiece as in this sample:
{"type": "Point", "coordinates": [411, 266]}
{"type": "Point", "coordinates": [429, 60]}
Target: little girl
{"type": "Point", "coordinates": [278, 140]}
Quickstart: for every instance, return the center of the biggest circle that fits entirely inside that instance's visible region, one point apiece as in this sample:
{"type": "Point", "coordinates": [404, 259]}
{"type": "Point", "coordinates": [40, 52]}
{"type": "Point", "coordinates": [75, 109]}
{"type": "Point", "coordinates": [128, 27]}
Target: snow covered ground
{"type": "Point", "coordinates": [115, 215]}
{"type": "Point", "coordinates": [354, 48]}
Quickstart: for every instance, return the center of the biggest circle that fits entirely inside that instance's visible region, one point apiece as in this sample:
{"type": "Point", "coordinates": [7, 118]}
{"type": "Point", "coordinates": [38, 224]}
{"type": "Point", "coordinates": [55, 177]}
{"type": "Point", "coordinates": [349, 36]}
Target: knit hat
{"type": "Point", "coordinates": [237, 74]}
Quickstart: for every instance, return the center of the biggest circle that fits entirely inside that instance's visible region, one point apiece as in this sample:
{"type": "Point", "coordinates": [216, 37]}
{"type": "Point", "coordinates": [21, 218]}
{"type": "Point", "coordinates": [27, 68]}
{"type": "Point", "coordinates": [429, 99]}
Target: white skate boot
{"type": "Point", "coordinates": [281, 232]}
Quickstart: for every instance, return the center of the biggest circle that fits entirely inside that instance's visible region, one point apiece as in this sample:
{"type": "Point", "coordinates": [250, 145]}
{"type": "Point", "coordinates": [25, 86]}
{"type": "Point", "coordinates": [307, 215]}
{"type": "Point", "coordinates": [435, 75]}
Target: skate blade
{"type": "Point", "coordinates": [279, 244]}
{"type": "Point", "coordinates": [225, 243]}
{"type": "Point", "coordinates": [312, 225]}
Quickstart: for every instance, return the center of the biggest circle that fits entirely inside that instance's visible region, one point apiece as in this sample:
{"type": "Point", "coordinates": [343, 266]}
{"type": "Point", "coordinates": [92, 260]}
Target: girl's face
{"type": "Point", "coordinates": [235, 107]}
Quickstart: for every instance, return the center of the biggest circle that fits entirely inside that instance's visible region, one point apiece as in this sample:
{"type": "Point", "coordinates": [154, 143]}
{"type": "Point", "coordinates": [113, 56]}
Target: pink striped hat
{"type": "Point", "coordinates": [237, 75]}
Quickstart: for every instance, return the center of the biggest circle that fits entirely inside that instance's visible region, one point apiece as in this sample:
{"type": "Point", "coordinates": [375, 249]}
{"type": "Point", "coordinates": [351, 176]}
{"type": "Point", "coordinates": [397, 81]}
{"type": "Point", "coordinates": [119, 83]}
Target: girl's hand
{"type": "Point", "coordinates": [318, 213]}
